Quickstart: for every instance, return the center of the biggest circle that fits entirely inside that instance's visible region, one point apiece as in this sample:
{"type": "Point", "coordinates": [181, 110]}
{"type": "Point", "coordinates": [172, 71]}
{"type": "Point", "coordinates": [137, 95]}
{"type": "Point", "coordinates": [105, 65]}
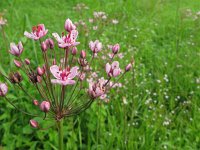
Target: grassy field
{"type": "Point", "coordinates": [158, 106]}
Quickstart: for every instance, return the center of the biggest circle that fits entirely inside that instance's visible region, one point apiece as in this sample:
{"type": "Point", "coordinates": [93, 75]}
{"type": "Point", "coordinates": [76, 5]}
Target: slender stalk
{"type": "Point", "coordinates": [11, 103]}
{"type": "Point", "coordinates": [60, 134]}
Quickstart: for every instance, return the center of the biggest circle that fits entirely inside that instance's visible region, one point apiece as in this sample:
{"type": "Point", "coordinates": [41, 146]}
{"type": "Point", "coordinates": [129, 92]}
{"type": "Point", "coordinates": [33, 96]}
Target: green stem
{"type": "Point", "coordinates": [60, 134]}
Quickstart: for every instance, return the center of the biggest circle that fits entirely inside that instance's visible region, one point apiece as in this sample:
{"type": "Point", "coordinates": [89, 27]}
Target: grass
{"type": "Point", "coordinates": [162, 94]}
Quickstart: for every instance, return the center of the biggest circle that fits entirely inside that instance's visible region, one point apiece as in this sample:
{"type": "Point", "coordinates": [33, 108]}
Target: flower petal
{"type": "Point", "coordinates": [73, 73]}
{"type": "Point", "coordinates": [55, 71]}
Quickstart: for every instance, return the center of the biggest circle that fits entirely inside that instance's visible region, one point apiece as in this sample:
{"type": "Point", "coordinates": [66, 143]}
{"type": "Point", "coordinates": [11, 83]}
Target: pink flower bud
{"type": "Point", "coordinates": [51, 43]}
{"type": "Point", "coordinates": [27, 61]}
{"type": "Point", "coordinates": [128, 67]}
{"type": "Point", "coordinates": [39, 79]}
{"type": "Point", "coordinates": [45, 106]}
{"type": "Point", "coordinates": [40, 71]}
{"type": "Point", "coordinates": [83, 54]}
{"type": "Point", "coordinates": [115, 48]}
{"type": "Point", "coordinates": [44, 68]}
{"type": "Point", "coordinates": [17, 63]}
{"type": "Point", "coordinates": [44, 46]}
{"type": "Point", "coordinates": [34, 123]}
{"type": "Point", "coordinates": [74, 51]}
{"type": "Point", "coordinates": [3, 89]}
{"type": "Point", "coordinates": [69, 26]}
{"type": "Point", "coordinates": [54, 62]}
{"type": "Point", "coordinates": [81, 76]}
{"type": "Point", "coordinates": [35, 102]}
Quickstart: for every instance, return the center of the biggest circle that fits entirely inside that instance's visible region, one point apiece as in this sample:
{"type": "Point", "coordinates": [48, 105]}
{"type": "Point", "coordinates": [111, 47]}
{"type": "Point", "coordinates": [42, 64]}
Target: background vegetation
{"type": "Point", "coordinates": [158, 107]}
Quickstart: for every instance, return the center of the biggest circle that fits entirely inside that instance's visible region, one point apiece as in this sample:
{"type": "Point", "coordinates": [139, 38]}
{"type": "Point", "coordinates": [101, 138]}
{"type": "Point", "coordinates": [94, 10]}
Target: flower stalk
{"type": "Point", "coordinates": [60, 134]}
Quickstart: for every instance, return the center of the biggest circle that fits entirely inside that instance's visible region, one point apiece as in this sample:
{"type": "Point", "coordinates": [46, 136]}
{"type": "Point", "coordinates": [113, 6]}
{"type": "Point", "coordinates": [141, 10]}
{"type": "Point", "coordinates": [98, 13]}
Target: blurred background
{"type": "Point", "coordinates": [157, 106]}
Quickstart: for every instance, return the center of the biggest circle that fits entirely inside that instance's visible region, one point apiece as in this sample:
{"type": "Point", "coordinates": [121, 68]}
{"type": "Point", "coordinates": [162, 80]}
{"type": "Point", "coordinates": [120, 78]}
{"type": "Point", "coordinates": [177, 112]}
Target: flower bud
{"type": "Point", "coordinates": [54, 62]}
{"type": "Point", "coordinates": [128, 67]}
{"type": "Point", "coordinates": [17, 63]}
{"type": "Point", "coordinates": [74, 51]}
{"type": "Point", "coordinates": [34, 123]}
{"type": "Point", "coordinates": [82, 76]}
{"type": "Point", "coordinates": [40, 71]}
{"type": "Point", "coordinates": [45, 106]}
{"type": "Point", "coordinates": [44, 46]}
{"type": "Point", "coordinates": [115, 48]}
{"type": "Point", "coordinates": [3, 89]}
{"type": "Point", "coordinates": [35, 102]}
{"type": "Point", "coordinates": [51, 43]}
{"type": "Point", "coordinates": [15, 77]}
{"type": "Point", "coordinates": [27, 61]}
{"type": "Point", "coordinates": [39, 79]}
{"type": "Point", "coordinates": [83, 54]}
{"type": "Point", "coordinates": [34, 77]}
{"type": "Point", "coordinates": [69, 26]}
{"type": "Point", "coordinates": [44, 68]}
{"type": "Point", "coordinates": [83, 62]}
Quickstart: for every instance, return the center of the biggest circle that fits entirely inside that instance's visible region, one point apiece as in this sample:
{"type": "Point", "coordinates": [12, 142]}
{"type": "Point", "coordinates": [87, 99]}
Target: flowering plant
{"type": "Point", "coordinates": [66, 82]}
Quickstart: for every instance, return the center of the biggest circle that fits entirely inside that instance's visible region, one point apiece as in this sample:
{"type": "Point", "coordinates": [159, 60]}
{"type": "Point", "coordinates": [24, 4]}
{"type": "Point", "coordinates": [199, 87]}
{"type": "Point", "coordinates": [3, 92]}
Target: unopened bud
{"type": "Point", "coordinates": [15, 77]}
{"type": "Point", "coordinates": [17, 63]}
{"type": "Point", "coordinates": [115, 48]}
{"type": "Point", "coordinates": [27, 61]}
{"type": "Point", "coordinates": [69, 26]}
{"type": "Point", "coordinates": [34, 123]}
{"type": "Point", "coordinates": [45, 106]}
{"type": "Point", "coordinates": [74, 51]}
{"type": "Point", "coordinates": [39, 79]}
{"type": "Point", "coordinates": [54, 62]}
{"type": "Point", "coordinates": [44, 46]}
{"type": "Point", "coordinates": [40, 71]}
{"type": "Point", "coordinates": [51, 43]}
{"type": "Point", "coordinates": [3, 89]}
{"type": "Point", "coordinates": [83, 62]}
{"type": "Point", "coordinates": [44, 68]}
{"type": "Point", "coordinates": [83, 54]}
{"type": "Point", "coordinates": [128, 67]}
{"type": "Point", "coordinates": [35, 102]}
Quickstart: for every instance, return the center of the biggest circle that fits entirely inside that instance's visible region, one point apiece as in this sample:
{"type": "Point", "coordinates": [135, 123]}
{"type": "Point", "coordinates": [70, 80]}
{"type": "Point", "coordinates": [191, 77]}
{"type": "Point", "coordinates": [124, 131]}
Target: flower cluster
{"type": "Point", "coordinates": [66, 82]}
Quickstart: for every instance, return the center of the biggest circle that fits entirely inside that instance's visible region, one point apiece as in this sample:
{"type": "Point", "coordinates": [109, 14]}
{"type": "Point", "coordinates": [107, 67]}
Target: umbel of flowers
{"type": "Point", "coordinates": [65, 81]}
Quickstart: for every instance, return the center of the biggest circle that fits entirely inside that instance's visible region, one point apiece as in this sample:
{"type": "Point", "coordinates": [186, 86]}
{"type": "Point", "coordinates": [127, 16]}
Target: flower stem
{"type": "Point", "coordinates": [60, 134]}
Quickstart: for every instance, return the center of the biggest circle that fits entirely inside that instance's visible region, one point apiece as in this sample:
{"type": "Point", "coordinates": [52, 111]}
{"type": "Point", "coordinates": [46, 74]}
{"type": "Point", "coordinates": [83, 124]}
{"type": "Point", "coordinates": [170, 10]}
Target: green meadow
{"type": "Point", "coordinates": [158, 105]}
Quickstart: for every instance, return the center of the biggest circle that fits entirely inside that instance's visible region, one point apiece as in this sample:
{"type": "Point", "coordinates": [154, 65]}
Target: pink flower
{"type": "Point", "coordinates": [37, 32]}
{"type": "Point", "coordinates": [120, 55]}
{"type": "Point", "coordinates": [45, 106]}
{"type": "Point", "coordinates": [63, 77]}
{"type": "Point", "coordinates": [69, 26]}
{"type": "Point", "coordinates": [67, 41]}
{"type": "Point", "coordinates": [97, 89]}
{"type": "Point", "coordinates": [3, 89]}
{"type": "Point", "coordinates": [113, 70]}
{"type": "Point", "coordinates": [16, 49]}
{"type": "Point", "coordinates": [95, 27]}
{"type": "Point", "coordinates": [95, 46]}
{"type": "Point", "coordinates": [34, 123]}
{"type": "Point", "coordinates": [2, 21]}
